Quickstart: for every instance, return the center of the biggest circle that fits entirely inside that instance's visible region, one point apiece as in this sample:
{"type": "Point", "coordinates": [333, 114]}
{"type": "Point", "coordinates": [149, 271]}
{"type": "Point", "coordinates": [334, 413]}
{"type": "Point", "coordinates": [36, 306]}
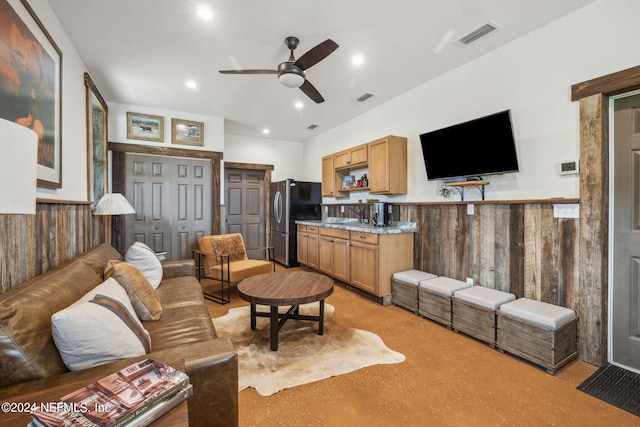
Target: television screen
{"type": "Point", "coordinates": [478, 147]}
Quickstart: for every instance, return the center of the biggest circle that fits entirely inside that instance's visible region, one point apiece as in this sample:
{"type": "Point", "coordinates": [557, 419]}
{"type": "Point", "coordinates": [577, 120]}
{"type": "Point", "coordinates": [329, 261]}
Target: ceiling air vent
{"type": "Point", "coordinates": [312, 127]}
{"type": "Point", "coordinates": [477, 34]}
{"type": "Point", "coordinates": [364, 97]}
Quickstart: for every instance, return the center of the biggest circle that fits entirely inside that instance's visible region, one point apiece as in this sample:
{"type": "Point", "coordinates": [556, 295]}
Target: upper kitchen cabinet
{"type": "Point", "coordinates": [329, 186]}
{"type": "Point", "coordinates": [388, 165]}
{"type": "Point", "coordinates": [351, 158]}
{"type": "Point", "coordinates": [383, 160]}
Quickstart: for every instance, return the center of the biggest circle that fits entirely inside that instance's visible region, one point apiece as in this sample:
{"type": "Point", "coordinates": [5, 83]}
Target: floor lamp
{"type": "Point", "coordinates": [114, 204]}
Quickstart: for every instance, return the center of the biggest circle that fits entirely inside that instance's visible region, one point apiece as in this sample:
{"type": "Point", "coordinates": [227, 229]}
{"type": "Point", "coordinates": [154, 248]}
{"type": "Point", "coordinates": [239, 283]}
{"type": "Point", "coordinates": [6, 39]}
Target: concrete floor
{"type": "Point", "coordinates": [447, 379]}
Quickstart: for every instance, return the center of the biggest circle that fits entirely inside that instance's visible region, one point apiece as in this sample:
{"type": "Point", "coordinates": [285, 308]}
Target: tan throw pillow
{"type": "Point", "coordinates": [143, 297]}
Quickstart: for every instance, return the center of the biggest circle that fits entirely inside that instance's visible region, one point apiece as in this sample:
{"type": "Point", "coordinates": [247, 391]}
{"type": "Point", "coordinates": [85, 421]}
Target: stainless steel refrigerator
{"type": "Point", "coordinates": [292, 200]}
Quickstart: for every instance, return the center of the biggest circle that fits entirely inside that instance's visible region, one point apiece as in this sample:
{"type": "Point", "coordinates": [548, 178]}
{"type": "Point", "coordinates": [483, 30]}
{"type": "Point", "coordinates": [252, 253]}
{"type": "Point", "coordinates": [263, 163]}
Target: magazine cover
{"type": "Point", "coordinates": [111, 400]}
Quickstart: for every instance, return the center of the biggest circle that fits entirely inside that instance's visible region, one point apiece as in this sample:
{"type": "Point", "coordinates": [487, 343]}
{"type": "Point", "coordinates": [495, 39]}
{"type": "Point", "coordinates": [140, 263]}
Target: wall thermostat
{"type": "Point", "coordinates": [570, 167]}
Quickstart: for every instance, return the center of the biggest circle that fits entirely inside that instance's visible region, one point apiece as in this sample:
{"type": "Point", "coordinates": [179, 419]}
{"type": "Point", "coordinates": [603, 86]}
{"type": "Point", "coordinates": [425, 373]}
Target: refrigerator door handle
{"type": "Point", "coordinates": [277, 207]}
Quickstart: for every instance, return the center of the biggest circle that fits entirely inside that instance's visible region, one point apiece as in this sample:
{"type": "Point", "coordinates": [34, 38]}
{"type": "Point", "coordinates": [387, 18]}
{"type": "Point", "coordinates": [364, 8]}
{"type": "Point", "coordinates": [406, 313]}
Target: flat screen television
{"type": "Point", "coordinates": [471, 149]}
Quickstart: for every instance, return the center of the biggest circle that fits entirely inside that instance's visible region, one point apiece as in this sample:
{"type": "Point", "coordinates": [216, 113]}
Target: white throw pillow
{"type": "Point", "coordinates": [100, 327]}
{"type": "Point", "coordinates": [143, 257]}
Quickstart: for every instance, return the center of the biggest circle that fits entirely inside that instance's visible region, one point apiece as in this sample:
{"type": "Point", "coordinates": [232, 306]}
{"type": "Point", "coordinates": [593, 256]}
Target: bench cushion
{"type": "Point", "coordinates": [484, 297]}
{"type": "Point", "coordinates": [412, 276]}
{"type": "Point", "coordinates": [443, 285]}
{"type": "Point", "coordinates": [538, 312]}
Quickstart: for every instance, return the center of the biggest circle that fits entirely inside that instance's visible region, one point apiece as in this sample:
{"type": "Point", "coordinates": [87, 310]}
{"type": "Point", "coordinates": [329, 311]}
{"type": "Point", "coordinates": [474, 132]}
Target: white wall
{"type": "Point", "coordinates": [532, 76]}
{"type": "Point", "coordinates": [74, 133]}
{"type": "Point", "coordinates": [285, 156]}
{"type": "Point", "coordinates": [213, 126]}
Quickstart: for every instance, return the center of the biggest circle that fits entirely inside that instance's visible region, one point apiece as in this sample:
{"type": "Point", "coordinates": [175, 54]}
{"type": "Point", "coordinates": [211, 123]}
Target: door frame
{"type": "Point", "coordinates": [267, 188]}
{"type": "Point", "coordinates": [118, 151]}
{"type": "Point", "coordinates": [594, 265]}
{"type": "Point", "coordinates": [612, 184]}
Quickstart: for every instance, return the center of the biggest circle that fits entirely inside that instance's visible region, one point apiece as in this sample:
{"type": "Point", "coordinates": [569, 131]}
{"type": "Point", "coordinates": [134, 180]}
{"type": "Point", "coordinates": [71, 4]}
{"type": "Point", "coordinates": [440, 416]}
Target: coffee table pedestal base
{"type": "Point", "coordinates": [277, 320]}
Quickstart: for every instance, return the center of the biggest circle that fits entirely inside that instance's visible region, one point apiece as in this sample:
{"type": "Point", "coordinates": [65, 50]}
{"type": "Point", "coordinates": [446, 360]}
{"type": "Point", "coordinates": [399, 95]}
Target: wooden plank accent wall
{"type": "Point", "coordinates": [519, 247]}
{"type": "Point", "coordinates": [33, 244]}
{"type": "Point", "coordinates": [594, 227]}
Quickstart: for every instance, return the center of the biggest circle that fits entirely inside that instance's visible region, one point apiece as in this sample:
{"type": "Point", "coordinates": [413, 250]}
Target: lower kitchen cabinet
{"type": "Point", "coordinates": [364, 260]}
{"type": "Point", "coordinates": [308, 245]}
{"type": "Point", "coordinates": [333, 253]}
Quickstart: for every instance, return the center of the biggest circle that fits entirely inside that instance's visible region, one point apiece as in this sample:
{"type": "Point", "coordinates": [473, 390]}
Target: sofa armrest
{"type": "Point", "coordinates": [185, 267]}
{"type": "Point", "coordinates": [212, 366]}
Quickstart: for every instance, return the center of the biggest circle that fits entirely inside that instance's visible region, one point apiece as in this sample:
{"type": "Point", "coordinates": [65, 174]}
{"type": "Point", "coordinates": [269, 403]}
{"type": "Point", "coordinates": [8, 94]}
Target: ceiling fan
{"type": "Point", "coordinates": [291, 73]}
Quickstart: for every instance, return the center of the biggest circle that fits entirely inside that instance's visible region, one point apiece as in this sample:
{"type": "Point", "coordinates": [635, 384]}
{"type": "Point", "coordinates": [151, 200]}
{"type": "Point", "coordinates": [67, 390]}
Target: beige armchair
{"type": "Point", "coordinates": [224, 258]}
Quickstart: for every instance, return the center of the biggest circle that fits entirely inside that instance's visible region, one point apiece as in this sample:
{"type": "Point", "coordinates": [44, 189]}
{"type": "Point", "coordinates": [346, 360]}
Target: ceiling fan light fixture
{"type": "Point", "coordinates": [291, 79]}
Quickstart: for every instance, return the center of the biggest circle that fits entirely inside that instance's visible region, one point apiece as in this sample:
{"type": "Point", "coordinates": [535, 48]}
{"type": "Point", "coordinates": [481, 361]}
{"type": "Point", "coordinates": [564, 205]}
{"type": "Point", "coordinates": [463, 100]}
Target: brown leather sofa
{"type": "Point", "coordinates": [29, 360]}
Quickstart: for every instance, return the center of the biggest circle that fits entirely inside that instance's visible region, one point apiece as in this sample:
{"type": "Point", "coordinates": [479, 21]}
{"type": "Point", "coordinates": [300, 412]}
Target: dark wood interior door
{"type": "Point", "coordinates": [172, 200]}
{"type": "Point", "coordinates": [244, 197]}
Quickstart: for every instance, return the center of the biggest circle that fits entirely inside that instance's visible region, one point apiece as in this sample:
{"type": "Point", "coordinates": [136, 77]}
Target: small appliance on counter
{"type": "Point", "coordinates": [381, 216]}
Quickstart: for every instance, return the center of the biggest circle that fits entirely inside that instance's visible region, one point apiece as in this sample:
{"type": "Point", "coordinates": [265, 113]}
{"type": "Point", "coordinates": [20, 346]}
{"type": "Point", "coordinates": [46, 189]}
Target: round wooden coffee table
{"type": "Point", "coordinates": [286, 288]}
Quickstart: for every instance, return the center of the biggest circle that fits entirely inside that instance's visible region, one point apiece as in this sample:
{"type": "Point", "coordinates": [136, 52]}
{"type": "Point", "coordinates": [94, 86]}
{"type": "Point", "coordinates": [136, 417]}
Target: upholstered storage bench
{"type": "Point", "coordinates": [474, 311]}
{"type": "Point", "coordinates": [434, 298]}
{"type": "Point", "coordinates": [404, 288]}
{"type": "Point", "coordinates": [542, 333]}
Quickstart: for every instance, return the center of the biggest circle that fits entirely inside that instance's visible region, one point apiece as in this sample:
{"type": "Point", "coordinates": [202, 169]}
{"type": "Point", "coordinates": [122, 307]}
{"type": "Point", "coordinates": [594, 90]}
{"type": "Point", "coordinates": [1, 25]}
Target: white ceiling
{"type": "Point", "coordinates": [142, 52]}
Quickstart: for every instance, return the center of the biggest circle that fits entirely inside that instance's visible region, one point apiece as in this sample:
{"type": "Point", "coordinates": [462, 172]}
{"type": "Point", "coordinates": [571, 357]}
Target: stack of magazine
{"type": "Point", "coordinates": [134, 396]}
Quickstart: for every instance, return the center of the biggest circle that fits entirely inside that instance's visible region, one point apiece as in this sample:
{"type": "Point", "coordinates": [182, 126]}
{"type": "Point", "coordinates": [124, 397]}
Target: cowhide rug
{"type": "Point", "coordinates": [303, 356]}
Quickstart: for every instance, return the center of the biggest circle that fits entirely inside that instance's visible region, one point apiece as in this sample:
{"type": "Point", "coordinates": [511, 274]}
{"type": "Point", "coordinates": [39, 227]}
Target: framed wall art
{"type": "Point", "coordinates": [97, 115]}
{"type": "Point", "coordinates": [187, 132]}
{"type": "Point", "coordinates": [30, 84]}
{"type": "Point", "coordinates": [145, 127]}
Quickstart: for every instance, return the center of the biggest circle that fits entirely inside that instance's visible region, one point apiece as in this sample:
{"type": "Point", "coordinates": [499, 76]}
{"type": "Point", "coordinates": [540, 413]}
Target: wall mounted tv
{"type": "Point", "coordinates": [471, 149]}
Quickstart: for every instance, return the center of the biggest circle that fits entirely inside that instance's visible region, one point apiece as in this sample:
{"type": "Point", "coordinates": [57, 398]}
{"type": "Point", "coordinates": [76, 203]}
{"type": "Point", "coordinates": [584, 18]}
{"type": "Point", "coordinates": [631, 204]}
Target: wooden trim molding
{"type": "Point", "coordinates": [612, 84]}
{"type": "Point", "coordinates": [248, 166]}
{"type": "Point", "coordinates": [163, 151]}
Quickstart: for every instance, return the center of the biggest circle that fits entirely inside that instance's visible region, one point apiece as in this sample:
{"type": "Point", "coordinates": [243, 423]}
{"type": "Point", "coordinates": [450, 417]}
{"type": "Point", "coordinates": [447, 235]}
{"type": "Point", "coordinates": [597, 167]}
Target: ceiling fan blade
{"type": "Point", "coordinates": [316, 54]}
{"type": "Point", "coordinates": [248, 71]}
{"type": "Point", "coordinates": [311, 92]}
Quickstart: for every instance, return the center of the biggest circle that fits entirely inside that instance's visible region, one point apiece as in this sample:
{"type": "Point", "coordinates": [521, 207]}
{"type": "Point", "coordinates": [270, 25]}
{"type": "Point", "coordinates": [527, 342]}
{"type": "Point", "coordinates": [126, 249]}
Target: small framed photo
{"type": "Point", "coordinates": [145, 127]}
{"type": "Point", "coordinates": [347, 181]}
{"type": "Point", "coordinates": [187, 132]}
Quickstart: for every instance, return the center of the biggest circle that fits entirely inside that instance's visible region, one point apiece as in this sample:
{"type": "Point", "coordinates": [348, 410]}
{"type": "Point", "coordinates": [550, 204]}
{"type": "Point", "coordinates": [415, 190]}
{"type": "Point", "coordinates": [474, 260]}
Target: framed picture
{"type": "Point", "coordinates": [30, 84]}
{"type": "Point", "coordinates": [347, 181]}
{"type": "Point", "coordinates": [187, 132]}
{"type": "Point", "coordinates": [97, 111]}
{"type": "Point", "coordinates": [145, 127]}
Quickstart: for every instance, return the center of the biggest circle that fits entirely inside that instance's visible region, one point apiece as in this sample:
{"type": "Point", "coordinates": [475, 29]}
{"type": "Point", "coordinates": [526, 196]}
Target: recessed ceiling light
{"type": "Point", "coordinates": [191, 84]}
{"type": "Point", "coordinates": [357, 60]}
{"type": "Point", "coordinates": [299, 105]}
{"type": "Point", "coordinates": [266, 131]}
{"type": "Point", "coordinates": [205, 12]}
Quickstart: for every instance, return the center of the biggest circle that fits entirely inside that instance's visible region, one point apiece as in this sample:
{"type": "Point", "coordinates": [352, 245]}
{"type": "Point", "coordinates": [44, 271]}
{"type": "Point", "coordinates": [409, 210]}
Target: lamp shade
{"type": "Point", "coordinates": [18, 168]}
{"type": "Point", "coordinates": [114, 204]}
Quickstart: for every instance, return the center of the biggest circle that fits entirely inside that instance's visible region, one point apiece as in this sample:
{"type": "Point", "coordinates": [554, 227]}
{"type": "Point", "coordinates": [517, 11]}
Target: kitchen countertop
{"type": "Point", "coordinates": [354, 225]}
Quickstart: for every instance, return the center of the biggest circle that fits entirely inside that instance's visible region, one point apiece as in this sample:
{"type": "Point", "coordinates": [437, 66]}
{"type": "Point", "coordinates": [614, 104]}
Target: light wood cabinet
{"type": "Point", "coordinates": [385, 161]}
{"type": "Point", "coordinates": [364, 260]}
{"type": "Point", "coordinates": [331, 182]}
{"type": "Point", "coordinates": [302, 238]}
{"type": "Point", "coordinates": [388, 166]}
{"type": "Point", "coordinates": [375, 257]}
{"type": "Point", "coordinates": [333, 253]}
{"type": "Point", "coordinates": [351, 158]}
{"type": "Point", "coordinates": [312, 247]}
{"type": "Point", "coordinates": [307, 237]}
